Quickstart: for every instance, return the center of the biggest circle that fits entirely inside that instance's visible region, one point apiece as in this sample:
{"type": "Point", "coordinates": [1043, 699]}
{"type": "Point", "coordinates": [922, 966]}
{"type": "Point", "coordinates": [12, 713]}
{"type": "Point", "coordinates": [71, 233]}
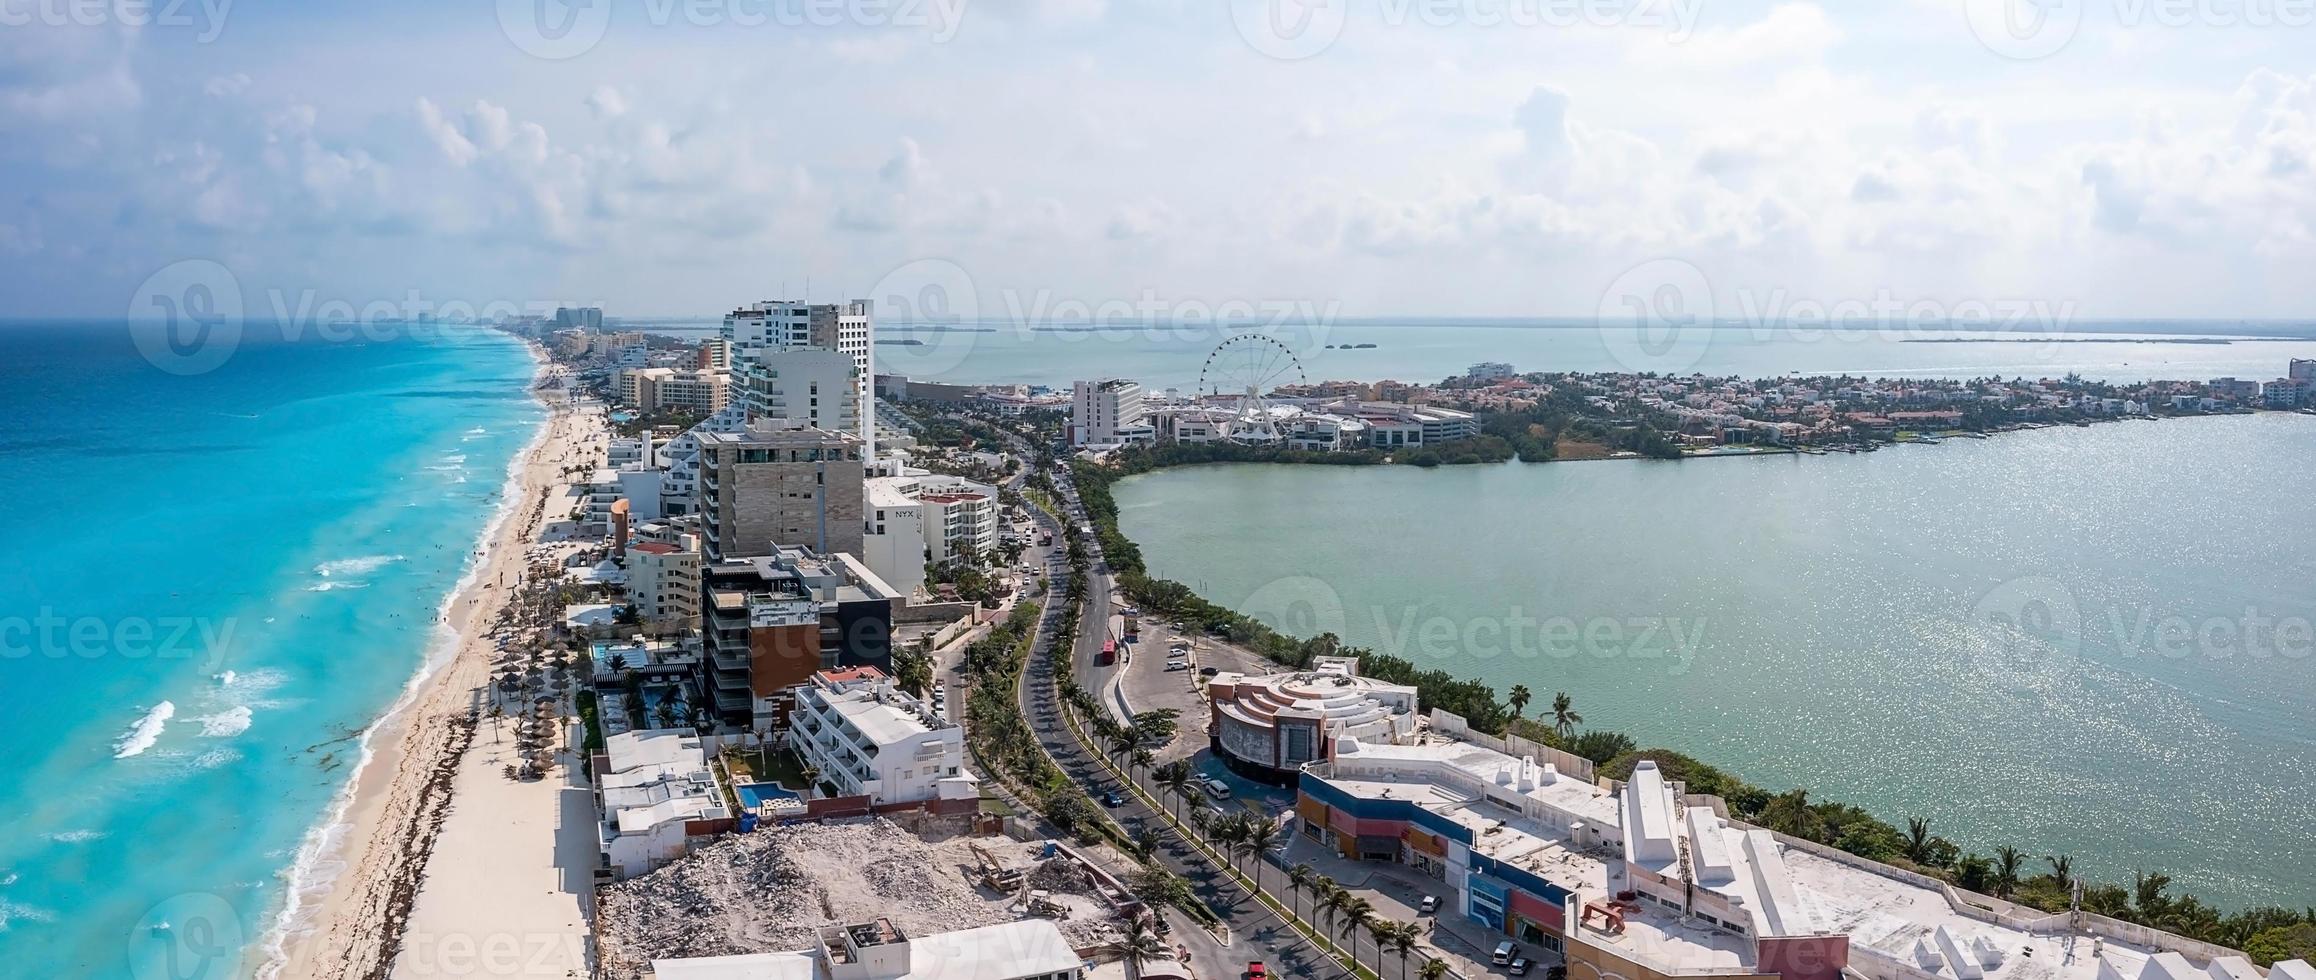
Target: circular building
{"type": "Point", "coordinates": [1266, 728]}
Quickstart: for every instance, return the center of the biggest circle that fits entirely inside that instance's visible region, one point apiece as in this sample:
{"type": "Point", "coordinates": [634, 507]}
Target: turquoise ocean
{"type": "Point", "coordinates": [215, 583]}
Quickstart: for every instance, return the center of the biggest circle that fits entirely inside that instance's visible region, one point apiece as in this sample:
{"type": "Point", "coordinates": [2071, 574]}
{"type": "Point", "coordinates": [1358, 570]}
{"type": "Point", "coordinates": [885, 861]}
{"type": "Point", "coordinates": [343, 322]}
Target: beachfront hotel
{"type": "Point", "coordinates": [772, 483]}
{"type": "Point", "coordinates": [1268, 727]}
{"type": "Point", "coordinates": [770, 622]}
{"type": "Point", "coordinates": [1031, 949]}
{"type": "Point", "coordinates": [848, 328]}
{"type": "Point", "coordinates": [1640, 880]}
{"type": "Point", "coordinates": [650, 787]}
{"type": "Point", "coordinates": [809, 386]}
{"type": "Point", "coordinates": [871, 739]}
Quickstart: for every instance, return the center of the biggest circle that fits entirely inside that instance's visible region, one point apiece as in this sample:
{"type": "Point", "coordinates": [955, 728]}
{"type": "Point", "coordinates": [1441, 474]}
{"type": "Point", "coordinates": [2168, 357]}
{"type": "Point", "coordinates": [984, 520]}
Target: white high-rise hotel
{"type": "Point", "coordinates": [815, 391]}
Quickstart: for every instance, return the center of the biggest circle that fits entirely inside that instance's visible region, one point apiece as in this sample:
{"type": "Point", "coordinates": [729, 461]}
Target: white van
{"type": "Point", "coordinates": [1217, 788]}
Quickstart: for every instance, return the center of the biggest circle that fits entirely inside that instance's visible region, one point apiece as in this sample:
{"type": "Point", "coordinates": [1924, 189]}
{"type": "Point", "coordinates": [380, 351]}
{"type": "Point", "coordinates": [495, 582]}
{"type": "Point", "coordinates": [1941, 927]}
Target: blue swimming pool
{"type": "Point", "coordinates": [753, 794]}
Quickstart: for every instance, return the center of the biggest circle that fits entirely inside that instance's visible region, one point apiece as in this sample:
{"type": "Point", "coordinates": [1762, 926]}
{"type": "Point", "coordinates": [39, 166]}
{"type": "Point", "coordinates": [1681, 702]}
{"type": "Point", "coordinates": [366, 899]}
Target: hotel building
{"type": "Point", "coordinates": [1105, 412]}
{"type": "Point", "coordinates": [769, 623]}
{"type": "Point", "coordinates": [654, 790]}
{"type": "Point", "coordinates": [926, 517]}
{"type": "Point", "coordinates": [769, 483]}
{"type": "Point", "coordinates": [870, 738]}
{"type": "Point", "coordinates": [663, 582]}
{"type": "Point", "coordinates": [655, 389]}
{"type": "Point", "coordinates": [848, 328]}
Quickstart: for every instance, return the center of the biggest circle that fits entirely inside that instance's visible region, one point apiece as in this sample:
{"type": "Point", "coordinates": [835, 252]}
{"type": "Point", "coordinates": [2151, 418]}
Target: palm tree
{"type": "Point", "coordinates": [1146, 841]}
{"type": "Point", "coordinates": [1564, 716]}
{"type": "Point", "coordinates": [1140, 944]}
{"type": "Point", "coordinates": [2063, 867]}
{"type": "Point", "coordinates": [1357, 913]}
{"type": "Point", "coordinates": [1175, 777]}
{"type": "Point", "coordinates": [1332, 900]}
{"type": "Point", "coordinates": [1789, 813]}
{"type": "Point", "coordinates": [1917, 840]}
{"type": "Point", "coordinates": [2006, 862]}
{"type": "Point", "coordinates": [497, 713]}
{"type": "Point", "coordinates": [1519, 700]}
{"type": "Point", "coordinates": [1432, 970]}
{"type": "Point", "coordinates": [1381, 931]}
{"type": "Point", "coordinates": [1300, 878]}
{"type": "Point", "coordinates": [1260, 836]}
{"type": "Point", "coordinates": [1403, 940]}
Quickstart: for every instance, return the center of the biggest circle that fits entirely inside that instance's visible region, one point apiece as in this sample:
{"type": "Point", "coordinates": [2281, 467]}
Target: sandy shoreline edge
{"type": "Point", "coordinates": [358, 870]}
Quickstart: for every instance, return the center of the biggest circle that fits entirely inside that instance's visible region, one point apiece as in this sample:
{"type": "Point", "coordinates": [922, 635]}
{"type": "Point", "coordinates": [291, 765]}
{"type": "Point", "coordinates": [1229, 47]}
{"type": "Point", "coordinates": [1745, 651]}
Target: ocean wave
{"type": "Point", "coordinates": [214, 758]}
{"type": "Point", "coordinates": [355, 566]}
{"type": "Point", "coordinates": [76, 836]}
{"type": "Point", "coordinates": [145, 732]}
{"type": "Point", "coordinates": [454, 457]}
{"type": "Point", "coordinates": [227, 678]}
{"type": "Point", "coordinates": [225, 724]}
{"type": "Point", "coordinates": [12, 913]}
{"type": "Point", "coordinates": [334, 586]}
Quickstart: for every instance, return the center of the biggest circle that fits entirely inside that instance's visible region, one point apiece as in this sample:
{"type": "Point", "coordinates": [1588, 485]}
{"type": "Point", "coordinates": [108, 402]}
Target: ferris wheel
{"type": "Point", "coordinates": [1240, 371]}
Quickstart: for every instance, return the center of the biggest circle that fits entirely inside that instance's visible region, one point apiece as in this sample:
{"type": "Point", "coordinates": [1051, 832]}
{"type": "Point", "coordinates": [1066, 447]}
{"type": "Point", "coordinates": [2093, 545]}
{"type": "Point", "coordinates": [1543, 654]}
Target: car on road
{"type": "Point", "coordinates": [1254, 971]}
{"type": "Point", "coordinates": [1506, 952]}
{"type": "Point", "coordinates": [1216, 788]}
{"type": "Point", "coordinates": [1209, 671]}
{"type": "Point", "coordinates": [1428, 906]}
{"type": "Point", "coordinates": [1178, 665]}
{"type": "Point", "coordinates": [1519, 966]}
{"type": "Point", "coordinates": [1112, 800]}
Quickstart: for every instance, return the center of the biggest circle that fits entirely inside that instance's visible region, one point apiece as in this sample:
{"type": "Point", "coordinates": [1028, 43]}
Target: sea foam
{"type": "Point", "coordinates": [226, 724]}
{"type": "Point", "coordinates": [355, 566]}
{"type": "Point", "coordinates": [145, 732]}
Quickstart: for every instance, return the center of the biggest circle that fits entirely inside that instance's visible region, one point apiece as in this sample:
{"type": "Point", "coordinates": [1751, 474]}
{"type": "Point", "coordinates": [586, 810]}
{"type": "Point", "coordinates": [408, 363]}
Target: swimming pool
{"type": "Point", "coordinates": [753, 795]}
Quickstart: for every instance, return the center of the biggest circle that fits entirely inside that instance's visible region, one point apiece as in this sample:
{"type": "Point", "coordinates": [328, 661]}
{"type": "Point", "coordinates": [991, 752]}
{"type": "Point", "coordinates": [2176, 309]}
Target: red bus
{"type": "Point", "coordinates": [1109, 652]}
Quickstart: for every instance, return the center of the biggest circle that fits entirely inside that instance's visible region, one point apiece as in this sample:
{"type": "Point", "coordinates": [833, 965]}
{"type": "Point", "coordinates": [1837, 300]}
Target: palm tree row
{"type": "Point", "coordinates": [1347, 915]}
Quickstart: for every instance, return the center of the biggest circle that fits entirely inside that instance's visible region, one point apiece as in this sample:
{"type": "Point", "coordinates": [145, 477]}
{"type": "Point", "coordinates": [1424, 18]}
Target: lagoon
{"type": "Point", "coordinates": [2092, 642]}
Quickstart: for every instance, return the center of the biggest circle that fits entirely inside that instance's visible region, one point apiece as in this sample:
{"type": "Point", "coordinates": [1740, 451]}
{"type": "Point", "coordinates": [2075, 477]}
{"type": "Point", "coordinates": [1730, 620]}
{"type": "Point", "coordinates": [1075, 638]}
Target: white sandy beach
{"type": "Point", "coordinates": [464, 871]}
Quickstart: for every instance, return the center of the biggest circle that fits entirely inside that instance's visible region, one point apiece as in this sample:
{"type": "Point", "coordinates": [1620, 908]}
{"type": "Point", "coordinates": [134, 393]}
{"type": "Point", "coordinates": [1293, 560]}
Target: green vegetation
{"type": "Point", "coordinates": [1565, 415]}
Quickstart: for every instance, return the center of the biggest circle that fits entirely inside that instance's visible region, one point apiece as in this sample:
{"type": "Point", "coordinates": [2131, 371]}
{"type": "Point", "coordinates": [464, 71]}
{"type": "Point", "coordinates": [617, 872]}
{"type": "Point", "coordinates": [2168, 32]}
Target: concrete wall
{"type": "Point", "coordinates": [1449, 723]}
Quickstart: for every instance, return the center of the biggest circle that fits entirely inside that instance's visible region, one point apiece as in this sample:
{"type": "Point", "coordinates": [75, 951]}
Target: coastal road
{"type": "Point", "coordinates": [1257, 933]}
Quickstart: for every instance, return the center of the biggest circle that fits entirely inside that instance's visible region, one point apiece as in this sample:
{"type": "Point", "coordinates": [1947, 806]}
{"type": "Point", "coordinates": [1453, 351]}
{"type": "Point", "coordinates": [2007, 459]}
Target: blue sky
{"type": "Point", "coordinates": [1451, 157]}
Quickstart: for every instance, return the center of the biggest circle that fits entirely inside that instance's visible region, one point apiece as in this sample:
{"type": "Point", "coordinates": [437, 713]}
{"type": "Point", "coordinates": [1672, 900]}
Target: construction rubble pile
{"type": "Point", "coordinates": [771, 890]}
